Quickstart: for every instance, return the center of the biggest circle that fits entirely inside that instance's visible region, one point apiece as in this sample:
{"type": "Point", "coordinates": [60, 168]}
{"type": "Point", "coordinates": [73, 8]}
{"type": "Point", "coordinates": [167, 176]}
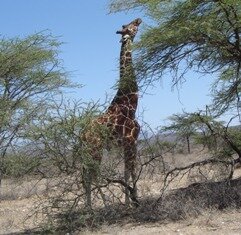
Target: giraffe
{"type": "Point", "coordinates": [119, 117]}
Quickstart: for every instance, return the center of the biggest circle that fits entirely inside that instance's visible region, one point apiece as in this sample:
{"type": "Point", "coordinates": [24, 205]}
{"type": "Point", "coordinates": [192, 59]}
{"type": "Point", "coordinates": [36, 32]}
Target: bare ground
{"type": "Point", "coordinates": [220, 223]}
{"type": "Point", "coordinates": [19, 199]}
{"type": "Point", "coordinates": [13, 214]}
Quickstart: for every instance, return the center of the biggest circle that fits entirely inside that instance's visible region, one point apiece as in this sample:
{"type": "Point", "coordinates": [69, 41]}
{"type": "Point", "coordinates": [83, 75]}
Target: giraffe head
{"type": "Point", "coordinates": [129, 31]}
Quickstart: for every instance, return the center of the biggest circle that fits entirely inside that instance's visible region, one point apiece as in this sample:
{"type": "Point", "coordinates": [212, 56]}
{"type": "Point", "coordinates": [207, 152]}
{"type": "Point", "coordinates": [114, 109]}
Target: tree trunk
{"type": "Point", "coordinates": [188, 144]}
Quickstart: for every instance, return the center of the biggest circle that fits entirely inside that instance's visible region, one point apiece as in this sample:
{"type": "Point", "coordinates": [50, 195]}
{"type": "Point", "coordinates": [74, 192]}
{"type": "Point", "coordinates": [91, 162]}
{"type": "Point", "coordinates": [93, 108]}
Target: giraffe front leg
{"type": "Point", "coordinates": [134, 180]}
{"type": "Point", "coordinates": [134, 174]}
{"type": "Point", "coordinates": [127, 177]}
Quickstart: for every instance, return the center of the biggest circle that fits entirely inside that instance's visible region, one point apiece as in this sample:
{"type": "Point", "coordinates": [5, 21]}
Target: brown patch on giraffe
{"type": "Point", "coordinates": [125, 104]}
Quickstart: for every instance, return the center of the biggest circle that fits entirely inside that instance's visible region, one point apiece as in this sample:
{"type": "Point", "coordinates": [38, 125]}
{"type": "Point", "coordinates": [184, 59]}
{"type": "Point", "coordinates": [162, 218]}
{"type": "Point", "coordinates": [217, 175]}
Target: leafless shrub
{"type": "Point", "coordinates": [210, 173]}
{"type": "Point", "coordinates": [26, 187]}
{"type": "Point", "coordinates": [176, 205]}
{"type": "Point", "coordinates": [61, 205]}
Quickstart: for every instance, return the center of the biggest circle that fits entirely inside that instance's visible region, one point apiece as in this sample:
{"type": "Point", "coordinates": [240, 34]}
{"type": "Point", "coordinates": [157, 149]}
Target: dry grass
{"type": "Point", "coordinates": [189, 205]}
{"type": "Point", "coordinates": [14, 189]}
{"type": "Point", "coordinates": [209, 222]}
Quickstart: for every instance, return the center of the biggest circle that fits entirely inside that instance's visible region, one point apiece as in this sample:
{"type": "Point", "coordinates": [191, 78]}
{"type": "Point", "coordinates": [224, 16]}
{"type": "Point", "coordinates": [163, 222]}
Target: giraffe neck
{"type": "Point", "coordinates": [127, 83]}
{"type": "Point", "coordinates": [126, 98]}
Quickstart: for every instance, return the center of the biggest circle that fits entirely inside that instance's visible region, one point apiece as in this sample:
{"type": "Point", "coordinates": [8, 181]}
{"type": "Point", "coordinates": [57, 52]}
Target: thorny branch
{"type": "Point", "coordinates": [177, 170]}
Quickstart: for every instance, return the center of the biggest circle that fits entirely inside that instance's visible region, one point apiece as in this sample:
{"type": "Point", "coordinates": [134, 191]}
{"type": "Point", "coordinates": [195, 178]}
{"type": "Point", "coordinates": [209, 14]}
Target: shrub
{"type": "Point", "coordinates": [19, 165]}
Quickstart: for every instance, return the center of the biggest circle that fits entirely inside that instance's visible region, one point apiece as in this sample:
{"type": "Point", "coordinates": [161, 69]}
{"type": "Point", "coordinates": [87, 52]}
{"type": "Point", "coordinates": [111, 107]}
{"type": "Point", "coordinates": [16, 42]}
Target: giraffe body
{"type": "Point", "coordinates": [119, 117]}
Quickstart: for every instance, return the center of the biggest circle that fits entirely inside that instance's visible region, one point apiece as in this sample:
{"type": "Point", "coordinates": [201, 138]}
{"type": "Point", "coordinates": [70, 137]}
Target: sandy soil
{"type": "Point", "coordinates": [227, 222]}
{"type": "Point", "coordinates": [13, 220]}
{"type": "Point", "coordinates": [14, 214]}
{"type": "Point", "coordinates": [19, 200]}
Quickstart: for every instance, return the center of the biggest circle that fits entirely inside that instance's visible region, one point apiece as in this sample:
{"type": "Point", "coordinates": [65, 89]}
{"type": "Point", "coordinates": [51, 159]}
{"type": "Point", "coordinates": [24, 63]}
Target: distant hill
{"type": "Point", "coordinates": [169, 137]}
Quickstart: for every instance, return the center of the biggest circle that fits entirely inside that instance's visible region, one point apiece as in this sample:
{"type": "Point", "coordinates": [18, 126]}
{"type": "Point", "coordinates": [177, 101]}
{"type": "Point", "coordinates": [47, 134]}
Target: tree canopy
{"type": "Point", "coordinates": [30, 74]}
{"type": "Point", "coordinates": [200, 35]}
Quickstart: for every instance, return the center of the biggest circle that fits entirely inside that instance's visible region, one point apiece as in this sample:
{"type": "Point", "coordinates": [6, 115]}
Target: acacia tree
{"type": "Point", "coordinates": [30, 75]}
{"type": "Point", "coordinates": [201, 35]}
{"type": "Point", "coordinates": [226, 139]}
{"type": "Point", "coordinates": [183, 127]}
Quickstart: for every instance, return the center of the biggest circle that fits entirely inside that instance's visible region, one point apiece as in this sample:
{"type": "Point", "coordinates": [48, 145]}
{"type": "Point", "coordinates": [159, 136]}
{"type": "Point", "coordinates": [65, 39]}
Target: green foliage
{"type": "Point", "coordinates": [30, 75]}
{"type": "Point", "coordinates": [222, 140]}
{"type": "Point", "coordinates": [29, 67]}
{"type": "Point", "coordinates": [226, 91]}
{"type": "Point", "coordinates": [19, 165]}
{"type": "Point", "coordinates": [183, 125]}
{"type": "Point", "coordinates": [201, 33]}
{"type": "Point", "coordinates": [122, 5]}
{"type": "Point", "coordinates": [60, 136]}
{"type": "Point", "coordinates": [191, 35]}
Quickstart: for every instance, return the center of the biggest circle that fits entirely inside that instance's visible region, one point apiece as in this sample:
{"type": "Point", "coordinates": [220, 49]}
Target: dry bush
{"type": "Point", "coordinates": [25, 187]}
{"type": "Point", "coordinates": [61, 203]}
{"type": "Point", "coordinates": [209, 173]}
{"type": "Point", "coordinates": [61, 208]}
{"type": "Point", "coordinates": [176, 205]}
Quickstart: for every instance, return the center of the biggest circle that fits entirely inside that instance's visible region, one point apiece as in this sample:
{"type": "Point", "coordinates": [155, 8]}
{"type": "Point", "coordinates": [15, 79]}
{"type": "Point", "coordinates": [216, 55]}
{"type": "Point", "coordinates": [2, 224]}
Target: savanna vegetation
{"type": "Point", "coordinates": [40, 131]}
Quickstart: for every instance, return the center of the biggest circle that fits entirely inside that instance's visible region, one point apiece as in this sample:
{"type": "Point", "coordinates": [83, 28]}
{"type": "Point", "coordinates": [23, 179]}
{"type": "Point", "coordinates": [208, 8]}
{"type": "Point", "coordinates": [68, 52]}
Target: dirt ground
{"type": "Point", "coordinates": [13, 214]}
{"type": "Point", "coordinates": [227, 222]}
{"type": "Point", "coordinates": [19, 199]}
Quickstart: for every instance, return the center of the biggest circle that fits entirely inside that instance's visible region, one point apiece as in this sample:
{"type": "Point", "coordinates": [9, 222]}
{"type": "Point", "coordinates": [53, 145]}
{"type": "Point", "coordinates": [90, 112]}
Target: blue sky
{"type": "Point", "coordinates": [91, 50]}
